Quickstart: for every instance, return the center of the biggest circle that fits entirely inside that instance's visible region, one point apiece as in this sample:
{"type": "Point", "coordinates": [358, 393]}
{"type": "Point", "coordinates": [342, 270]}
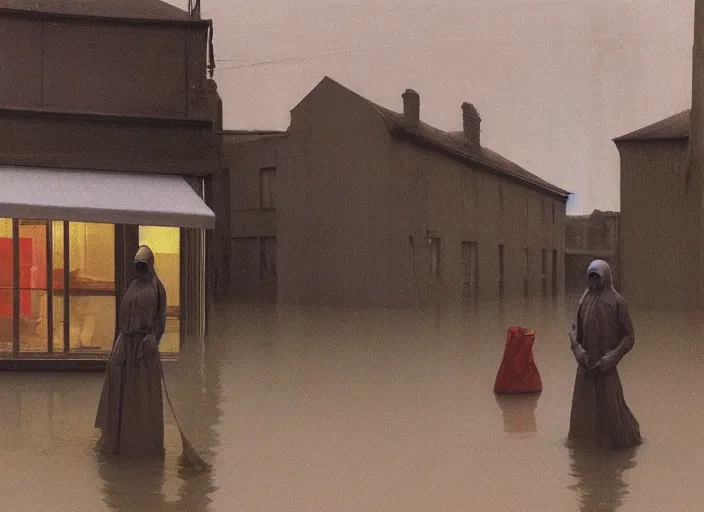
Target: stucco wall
{"type": "Point", "coordinates": [460, 203]}
{"type": "Point", "coordinates": [659, 222]}
{"type": "Point", "coordinates": [356, 207]}
{"type": "Point", "coordinates": [248, 221]}
{"type": "Point", "coordinates": [333, 194]}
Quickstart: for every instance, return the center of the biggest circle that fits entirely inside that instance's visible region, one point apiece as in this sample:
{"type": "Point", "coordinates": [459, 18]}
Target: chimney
{"type": "Point", "coordinates": [411, 106]}
{"type": "Point", "coordinates": [471, 124]}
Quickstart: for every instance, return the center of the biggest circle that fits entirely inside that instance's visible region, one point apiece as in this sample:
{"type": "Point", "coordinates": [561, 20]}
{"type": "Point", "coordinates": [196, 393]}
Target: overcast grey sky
{"type": "Point", "coordinates": [554, 81]}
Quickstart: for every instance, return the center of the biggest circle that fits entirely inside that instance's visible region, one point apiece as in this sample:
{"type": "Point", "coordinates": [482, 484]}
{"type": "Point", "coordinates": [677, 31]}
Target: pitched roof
{"type": "Point", "coordinates": [116, 9]}
{"type": "Point", "coordinates": [673, 127]}
{"type": "Point", "coordinates": [456, 145]}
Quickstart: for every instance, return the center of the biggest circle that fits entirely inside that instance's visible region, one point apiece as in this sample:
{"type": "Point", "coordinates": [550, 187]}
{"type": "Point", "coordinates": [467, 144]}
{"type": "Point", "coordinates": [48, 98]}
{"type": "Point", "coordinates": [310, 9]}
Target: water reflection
{"type": "Point", "coordinates": [131, 484]}
{"type": "Point", "coordinates": [518, 412]}
{"type": "Point", "coordinates": [312, 409]}
{"type": "Point", "coordinates": [599, 473]}
{"type": "Point", "coordinates": [141, 484]}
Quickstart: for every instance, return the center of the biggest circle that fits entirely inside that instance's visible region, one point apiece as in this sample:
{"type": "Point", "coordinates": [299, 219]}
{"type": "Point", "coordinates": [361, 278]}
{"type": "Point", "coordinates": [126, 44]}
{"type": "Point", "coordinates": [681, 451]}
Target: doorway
{"type": "Point", "coordinates": [554, 273]}
{"type": "Point", "coordinates": [470, 271]}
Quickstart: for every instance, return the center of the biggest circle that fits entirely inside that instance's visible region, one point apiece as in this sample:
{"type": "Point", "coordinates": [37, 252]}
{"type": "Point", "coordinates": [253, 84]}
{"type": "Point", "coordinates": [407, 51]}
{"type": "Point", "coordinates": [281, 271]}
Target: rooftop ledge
{"type": "Point", "coordinates": [103, 117]}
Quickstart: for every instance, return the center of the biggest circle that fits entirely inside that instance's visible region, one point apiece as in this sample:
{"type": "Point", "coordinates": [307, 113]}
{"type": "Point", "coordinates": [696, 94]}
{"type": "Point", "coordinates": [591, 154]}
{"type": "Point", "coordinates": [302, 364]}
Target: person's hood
{"type": "Point", "coordinates": [145, 255]}
{"type": "Point", "coordinates": [603, 270]}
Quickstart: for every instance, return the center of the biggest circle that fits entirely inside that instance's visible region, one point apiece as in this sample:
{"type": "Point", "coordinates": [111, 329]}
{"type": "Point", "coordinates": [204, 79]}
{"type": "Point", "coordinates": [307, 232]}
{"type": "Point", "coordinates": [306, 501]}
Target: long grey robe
{"type": "Point", "coordinates": [600, 416]}
{"type": "Point", "coordinates": [130, 413]}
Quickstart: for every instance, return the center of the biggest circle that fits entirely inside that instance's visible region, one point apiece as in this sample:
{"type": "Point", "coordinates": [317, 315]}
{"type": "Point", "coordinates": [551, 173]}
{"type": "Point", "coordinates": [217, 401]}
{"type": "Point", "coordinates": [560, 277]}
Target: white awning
{"type": "Point", "coordinates": [98, 196]}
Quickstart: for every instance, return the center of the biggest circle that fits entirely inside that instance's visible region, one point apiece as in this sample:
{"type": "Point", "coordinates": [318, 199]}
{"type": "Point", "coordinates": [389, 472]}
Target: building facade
{"type": "Point", "coordinates": [590, 237]}
{"type": "Point", "coordinates": [251, 159]}
{"type": "Point", "coordinates": [108, 143]}
{"type": "Point", "coordinates": [660, 217]}
{"type": "Point", "coordinates": [379, 209]}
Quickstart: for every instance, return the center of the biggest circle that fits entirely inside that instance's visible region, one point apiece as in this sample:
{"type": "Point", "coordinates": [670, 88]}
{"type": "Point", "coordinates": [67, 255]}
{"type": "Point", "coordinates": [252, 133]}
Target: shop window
{"type": "Point", "coordinates": [58, 286]}
{"type": "Point", "coordinates": [6, 285]}
{"type": "Point", "coordinates": [91, 286]}
{"type": "Point", "coordinates": [33, 289]}
{"type": "Point", "coordinates": [47, 265]}
{"type": "Point", "coordinates": [165, 243]}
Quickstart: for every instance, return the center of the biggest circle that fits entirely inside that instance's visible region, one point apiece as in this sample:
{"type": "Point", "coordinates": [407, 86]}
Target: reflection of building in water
{"type": "Point", "coordinates": [518, 412]}
{"type": "Point", "coordinates": [599, 475]}
{"type": "Point", "coordinates": [587, 238]}
{"type": "Point", "coordinates": [130, 485]}
{"type": "Point", "coordinates": [141, 484]}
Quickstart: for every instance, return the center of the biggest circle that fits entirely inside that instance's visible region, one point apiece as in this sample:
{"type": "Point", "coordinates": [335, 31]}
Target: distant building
{"type": "Point", "coordinates": [251, 159]}
{"type": "Point", "coordinates": [590, 237]}
{"type": "Point", "coordinates": [661, 208]}
{"type": "Point", "coordinates": [377, 208]}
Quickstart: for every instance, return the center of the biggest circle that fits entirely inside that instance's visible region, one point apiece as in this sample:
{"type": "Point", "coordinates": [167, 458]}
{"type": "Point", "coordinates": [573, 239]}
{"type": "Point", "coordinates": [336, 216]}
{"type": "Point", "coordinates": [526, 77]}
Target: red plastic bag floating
{"type": "Point", "coordinates": [518, 372]}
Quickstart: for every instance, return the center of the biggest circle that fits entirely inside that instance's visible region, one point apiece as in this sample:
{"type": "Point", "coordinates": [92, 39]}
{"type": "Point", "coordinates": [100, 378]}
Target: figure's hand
{"type": "Point", "coordinates": [580, 355]}
{"type": "Point", "coordinates": [583, 359]}
{"type": "Point", "coordinates": [606, 364]}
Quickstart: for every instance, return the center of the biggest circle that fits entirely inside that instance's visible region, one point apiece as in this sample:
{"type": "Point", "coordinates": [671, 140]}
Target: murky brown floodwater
{"type": "Point", "coordinates": [350, 411]}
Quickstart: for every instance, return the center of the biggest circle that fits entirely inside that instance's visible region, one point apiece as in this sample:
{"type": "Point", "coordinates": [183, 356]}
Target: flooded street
{"type": "Point", "coordinates": [360, 411]}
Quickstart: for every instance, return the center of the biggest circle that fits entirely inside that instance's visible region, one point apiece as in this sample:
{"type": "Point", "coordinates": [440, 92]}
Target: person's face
{"type": "Point", "coordinates": [142, 270]}
{"type": "Point", "coordinates": [594, 281]}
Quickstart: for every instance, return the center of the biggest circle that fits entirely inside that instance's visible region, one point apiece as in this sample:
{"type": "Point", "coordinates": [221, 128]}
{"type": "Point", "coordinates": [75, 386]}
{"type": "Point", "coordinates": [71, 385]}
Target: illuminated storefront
{"type": "Point", "coordinates": [61, 279]}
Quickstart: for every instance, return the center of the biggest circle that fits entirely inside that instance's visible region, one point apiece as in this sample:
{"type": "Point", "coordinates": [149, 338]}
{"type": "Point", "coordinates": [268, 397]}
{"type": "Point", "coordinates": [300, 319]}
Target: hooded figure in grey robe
{"type": "Point", "coordinates": [130, 412]}
{"type": "Point", "coordinates": [602, 336]}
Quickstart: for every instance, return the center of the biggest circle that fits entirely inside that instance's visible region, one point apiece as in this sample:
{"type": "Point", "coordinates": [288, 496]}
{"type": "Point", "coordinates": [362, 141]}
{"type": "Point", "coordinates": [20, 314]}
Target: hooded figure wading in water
{"type": "Point", "coordinates": [130, 413]}
{"type": "Point", "coordinates": [601, 337]}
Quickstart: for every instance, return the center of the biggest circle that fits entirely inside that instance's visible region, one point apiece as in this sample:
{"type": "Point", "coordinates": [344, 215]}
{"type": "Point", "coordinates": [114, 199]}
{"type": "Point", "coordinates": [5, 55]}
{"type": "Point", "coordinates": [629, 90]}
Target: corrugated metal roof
{"type": "Point", "coordinates": [120, 9]}
{"type": "Point", "coordinates": [673, 127]}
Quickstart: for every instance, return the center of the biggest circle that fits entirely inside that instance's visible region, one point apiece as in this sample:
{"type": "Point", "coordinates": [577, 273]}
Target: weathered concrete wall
{"type": "Point", "coordinates": [660, 222]}
{"type": "Point", "coordinates": [249, 222]}
{"type": "Point", "coordinates": [110, 144]}
{"type": "Point", "coordinates": [459, 203]}
{"type": "Point", "coordinates": [103, 67]}
{"type": "Point", "coordinates": [334, 186]}
{"type": "Point", "coordinates": [107, 95]}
